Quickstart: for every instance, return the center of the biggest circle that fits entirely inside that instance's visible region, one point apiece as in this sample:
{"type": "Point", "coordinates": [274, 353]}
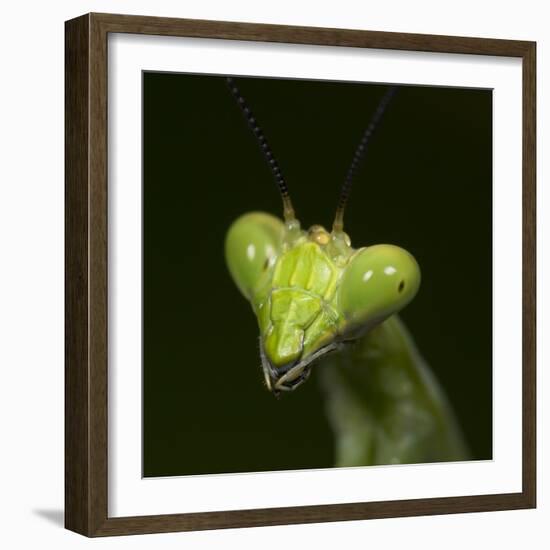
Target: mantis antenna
{"type": "Point", "coordinates": [338, 225]}
{"type": "Point", "coordinates": [288, 210]}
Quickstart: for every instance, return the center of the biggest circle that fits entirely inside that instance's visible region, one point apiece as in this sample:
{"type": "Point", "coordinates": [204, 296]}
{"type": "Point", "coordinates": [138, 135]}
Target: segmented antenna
{"type": "Point", "coordinates": [338, 225]}
{"type": "Point", "coordinates": [288, 210]}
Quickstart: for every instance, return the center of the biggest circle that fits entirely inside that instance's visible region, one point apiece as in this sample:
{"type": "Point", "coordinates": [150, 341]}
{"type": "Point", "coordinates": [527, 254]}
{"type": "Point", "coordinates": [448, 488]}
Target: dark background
{"type": "Point", "coordinates": [425, 185]}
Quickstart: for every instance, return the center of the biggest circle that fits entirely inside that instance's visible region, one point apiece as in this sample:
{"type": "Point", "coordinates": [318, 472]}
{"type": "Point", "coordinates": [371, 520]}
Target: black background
{"type": "Point", "coordinates": [426, 185]}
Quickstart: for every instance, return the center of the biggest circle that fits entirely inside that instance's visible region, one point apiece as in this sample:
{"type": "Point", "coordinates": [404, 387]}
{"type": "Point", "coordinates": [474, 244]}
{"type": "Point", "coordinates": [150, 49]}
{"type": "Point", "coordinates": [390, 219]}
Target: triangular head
{"type": "Point", "coordinates": [311, 291]}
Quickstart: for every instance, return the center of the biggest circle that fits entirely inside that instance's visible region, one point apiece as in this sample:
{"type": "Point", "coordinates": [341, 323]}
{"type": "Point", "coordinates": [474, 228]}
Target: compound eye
{"type": "Point", "coordinates": [251, 246]}
{"type": "Point", "coordinates": [379, 281]}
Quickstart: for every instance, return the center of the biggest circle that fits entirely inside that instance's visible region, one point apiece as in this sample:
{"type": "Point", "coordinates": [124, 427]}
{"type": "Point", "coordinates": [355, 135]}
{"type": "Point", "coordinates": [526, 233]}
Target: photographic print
{"type": "Point", "coordinates": [317, 274]}
{"type": "Point", "coordinates": [300, 274]}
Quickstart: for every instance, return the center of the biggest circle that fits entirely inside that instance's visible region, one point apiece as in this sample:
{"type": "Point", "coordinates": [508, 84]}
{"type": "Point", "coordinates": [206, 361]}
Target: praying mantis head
{"type": "Point", "coordinates": [311, 291]}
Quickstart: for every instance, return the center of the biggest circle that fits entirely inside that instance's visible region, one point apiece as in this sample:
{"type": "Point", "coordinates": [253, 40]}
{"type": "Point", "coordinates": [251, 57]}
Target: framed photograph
{"type": "Point", "coordinates": [300, 274]}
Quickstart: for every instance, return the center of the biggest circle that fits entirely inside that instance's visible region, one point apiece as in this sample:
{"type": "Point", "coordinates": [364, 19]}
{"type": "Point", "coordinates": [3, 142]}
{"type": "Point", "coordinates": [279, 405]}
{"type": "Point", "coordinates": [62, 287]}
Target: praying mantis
{"type": "Point", "coordinates": [324, 306]}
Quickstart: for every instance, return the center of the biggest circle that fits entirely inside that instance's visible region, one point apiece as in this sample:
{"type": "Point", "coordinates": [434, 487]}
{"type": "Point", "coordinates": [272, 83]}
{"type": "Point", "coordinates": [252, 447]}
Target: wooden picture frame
{"type": "Point", "coordinates": [86, 359]}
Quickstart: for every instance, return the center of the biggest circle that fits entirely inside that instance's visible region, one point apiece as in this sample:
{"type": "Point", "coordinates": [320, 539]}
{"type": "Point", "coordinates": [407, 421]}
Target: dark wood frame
{"type": "Point", "coordinates": [86, 274]}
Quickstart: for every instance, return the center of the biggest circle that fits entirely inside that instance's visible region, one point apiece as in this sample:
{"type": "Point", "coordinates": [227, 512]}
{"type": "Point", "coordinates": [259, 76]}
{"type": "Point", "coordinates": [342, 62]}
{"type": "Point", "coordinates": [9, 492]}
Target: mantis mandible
{"type": "Point", "coordinates": [322, 303]}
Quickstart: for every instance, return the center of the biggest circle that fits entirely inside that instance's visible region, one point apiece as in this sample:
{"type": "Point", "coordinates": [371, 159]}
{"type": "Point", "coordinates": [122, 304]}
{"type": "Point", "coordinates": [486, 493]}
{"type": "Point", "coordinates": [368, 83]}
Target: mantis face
{"type": "Point", "coordinates": [311, 291]}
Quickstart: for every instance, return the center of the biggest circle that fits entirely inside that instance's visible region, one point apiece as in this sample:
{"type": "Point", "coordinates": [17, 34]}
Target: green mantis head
{"type": "Point", "coordinates": [312, 293]}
